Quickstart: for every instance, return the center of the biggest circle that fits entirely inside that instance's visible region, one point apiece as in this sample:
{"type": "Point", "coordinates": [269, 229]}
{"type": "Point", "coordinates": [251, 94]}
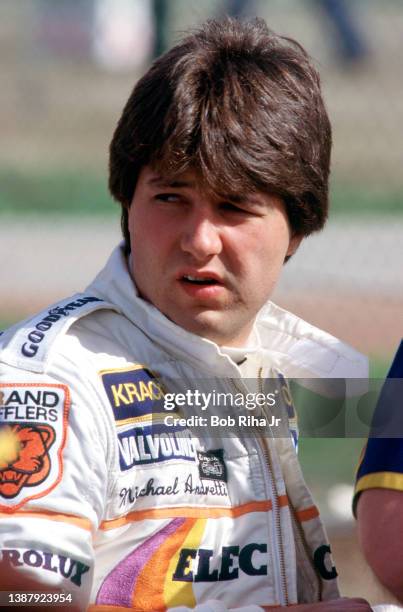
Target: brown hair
{"type": "Point", "coordinates": [240, 105]}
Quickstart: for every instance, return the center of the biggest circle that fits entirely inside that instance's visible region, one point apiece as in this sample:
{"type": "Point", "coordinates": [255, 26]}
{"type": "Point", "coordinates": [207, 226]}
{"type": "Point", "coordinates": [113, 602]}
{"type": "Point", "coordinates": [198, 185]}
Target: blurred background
{"type": "Point", "coordinates": [66, 70]}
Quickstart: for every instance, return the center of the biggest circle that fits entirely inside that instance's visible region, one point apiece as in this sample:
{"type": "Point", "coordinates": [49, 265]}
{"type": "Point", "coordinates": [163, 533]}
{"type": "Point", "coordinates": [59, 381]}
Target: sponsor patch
{"type": "Point", "coordinates": [33, 429]}
{"type": "Point", "coordinates": [133, 393]}
{"type": "Point", "coordinates": [29, 344]}
{"type": "Point", "coordinates": [212, 465]}
{"type": "Point", "coordinates": [154, 444]}
{"type": "Point", "coordinates": [59, 564]}
{"type": "Point", "coordinates": [37, 333]}
{"type": "Point", "coordinates": [195, 564]}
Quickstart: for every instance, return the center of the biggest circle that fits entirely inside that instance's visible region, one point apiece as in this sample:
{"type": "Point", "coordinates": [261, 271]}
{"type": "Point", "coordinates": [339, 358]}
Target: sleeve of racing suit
{"type": "Point", "coordinates": [53, 479]}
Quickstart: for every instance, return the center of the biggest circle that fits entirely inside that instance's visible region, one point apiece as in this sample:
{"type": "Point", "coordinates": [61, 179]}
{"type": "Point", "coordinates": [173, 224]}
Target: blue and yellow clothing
{"type": "Point", "coordinates": [381, 464]}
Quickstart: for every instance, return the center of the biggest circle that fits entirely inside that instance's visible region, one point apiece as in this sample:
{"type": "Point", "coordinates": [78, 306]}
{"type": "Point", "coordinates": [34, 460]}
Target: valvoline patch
{"type": "Point", "coordinates": [133, 392]}
{"type": "Point", "coordinates": [153, 444]}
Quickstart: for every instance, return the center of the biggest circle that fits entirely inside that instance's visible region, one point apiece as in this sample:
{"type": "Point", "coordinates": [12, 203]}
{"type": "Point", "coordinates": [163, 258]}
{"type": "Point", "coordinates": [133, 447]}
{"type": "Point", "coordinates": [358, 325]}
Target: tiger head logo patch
{"type": "Point", "coordinates": [24, 456]}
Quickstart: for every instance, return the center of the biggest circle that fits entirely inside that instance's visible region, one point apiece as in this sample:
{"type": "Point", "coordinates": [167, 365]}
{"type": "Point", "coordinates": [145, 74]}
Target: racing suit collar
{"type": "Point", "coordinates": [289, 344]}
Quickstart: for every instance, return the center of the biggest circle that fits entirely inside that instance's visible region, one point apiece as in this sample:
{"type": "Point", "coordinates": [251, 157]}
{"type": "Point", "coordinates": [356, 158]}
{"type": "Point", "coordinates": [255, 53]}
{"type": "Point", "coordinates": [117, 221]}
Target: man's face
{"type": "Point", "coordinates": [208, 264]}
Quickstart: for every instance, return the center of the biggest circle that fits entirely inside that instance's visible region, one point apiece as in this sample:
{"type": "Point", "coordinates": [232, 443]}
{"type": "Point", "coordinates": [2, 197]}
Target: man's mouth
{"type": "Point", "coordinates": [205, 285]}
{"type": "Point", "coordinates": [197, 280]}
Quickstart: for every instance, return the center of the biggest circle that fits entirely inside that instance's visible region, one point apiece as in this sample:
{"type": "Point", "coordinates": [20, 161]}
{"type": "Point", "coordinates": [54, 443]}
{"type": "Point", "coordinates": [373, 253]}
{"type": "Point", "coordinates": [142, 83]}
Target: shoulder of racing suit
{"type": "Point", "coordinates": [306, 350]}
{"type": "Point", "coordinates": [28, 345]}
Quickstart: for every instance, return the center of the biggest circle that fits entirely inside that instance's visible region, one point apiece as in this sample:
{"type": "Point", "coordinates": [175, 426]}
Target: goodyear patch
{"type": "Point", "coordinates": [154, 444]}
{"type": "Point", "coordinates": [29, 345]}
{"type": "Point", "coordinates": [133, 393]}
{"type": "Point", "coordinates": [33, 430]}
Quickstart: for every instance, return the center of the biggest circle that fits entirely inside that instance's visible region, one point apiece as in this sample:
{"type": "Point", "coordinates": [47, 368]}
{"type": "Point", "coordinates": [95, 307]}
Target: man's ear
{"type": "Point", "coordinates": [295, 241]}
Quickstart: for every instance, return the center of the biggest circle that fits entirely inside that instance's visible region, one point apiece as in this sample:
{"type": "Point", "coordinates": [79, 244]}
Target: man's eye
{"type": "Point", "coordinates": [229, 206]}
{"type": "Point", "coordinates": [167, 197]}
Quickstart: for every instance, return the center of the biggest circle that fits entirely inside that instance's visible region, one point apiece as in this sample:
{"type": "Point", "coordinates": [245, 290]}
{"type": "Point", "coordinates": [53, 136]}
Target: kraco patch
{"type": "Point", "coordinates": [33, 431]}
{"type": "Point", "coordinates": [134, 393]}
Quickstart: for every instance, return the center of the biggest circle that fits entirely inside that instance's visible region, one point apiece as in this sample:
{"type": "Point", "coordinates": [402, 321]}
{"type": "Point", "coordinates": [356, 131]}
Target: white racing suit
{"type": "Point", "coordinates": [104, 499]}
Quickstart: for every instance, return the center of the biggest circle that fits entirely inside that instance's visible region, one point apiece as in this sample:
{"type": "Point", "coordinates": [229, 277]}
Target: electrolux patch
{"type": "Point", "coordinates": [33, 431]}
{"type": "Point", "coordinates": [132, 392]}
{"type": "Point", "coordinates": [64, 566]}
{"type": "Point", "coordinates": [212, 465]}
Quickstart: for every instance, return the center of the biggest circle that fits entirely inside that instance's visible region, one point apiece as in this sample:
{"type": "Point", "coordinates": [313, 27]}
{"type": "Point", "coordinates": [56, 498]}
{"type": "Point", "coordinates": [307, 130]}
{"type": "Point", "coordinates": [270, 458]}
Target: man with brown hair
{"type": "Point", "coordinates": [220, 161]}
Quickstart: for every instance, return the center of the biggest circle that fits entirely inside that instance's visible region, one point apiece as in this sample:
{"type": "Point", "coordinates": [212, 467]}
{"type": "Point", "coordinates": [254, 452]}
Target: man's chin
{"type": "Point", "coordinates": [207, 324]}
{"type": "Point", "coordinates": [210, 325]}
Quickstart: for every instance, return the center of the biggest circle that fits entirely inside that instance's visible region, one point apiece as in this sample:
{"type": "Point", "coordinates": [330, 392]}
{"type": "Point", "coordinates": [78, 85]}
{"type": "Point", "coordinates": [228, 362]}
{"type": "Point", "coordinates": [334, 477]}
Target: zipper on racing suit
{"type": "Point", "coordinates": [278, 548]}
{"type": "Point", "coordinates": [301, 546]}
{"type": "Point", "coordinates": [275, 535]}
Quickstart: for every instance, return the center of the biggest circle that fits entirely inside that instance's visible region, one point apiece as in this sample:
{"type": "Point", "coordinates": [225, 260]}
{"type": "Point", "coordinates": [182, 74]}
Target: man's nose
{"type": "Point", "coordinates": [201, 237]}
